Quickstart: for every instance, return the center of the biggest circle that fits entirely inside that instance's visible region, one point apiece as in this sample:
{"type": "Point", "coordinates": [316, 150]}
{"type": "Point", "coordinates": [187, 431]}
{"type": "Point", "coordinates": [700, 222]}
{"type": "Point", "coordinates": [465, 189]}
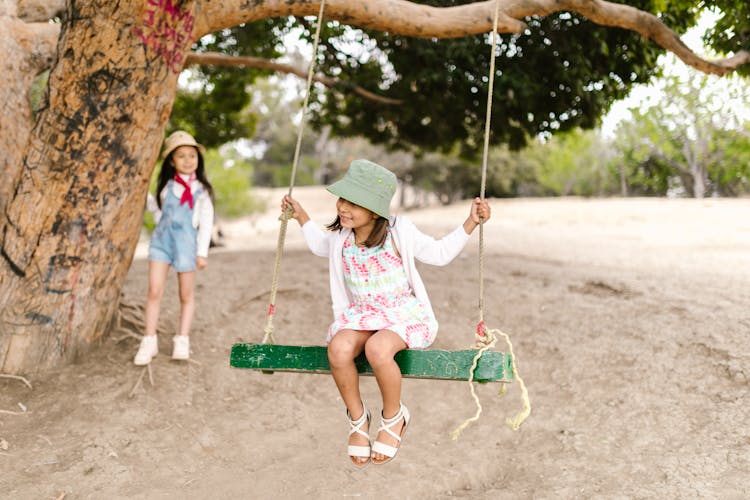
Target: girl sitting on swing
{"type": "Point", "coordinates": [380, 305]}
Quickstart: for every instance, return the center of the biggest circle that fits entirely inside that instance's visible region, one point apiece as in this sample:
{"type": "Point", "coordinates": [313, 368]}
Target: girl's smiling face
{"type": "Point", "coordinates": [353, 216]}
{"type": "Point", "coordinates": [185, 160]}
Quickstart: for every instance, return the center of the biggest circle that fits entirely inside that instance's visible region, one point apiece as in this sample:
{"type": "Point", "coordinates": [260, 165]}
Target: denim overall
{"type": "Point", "coordinates": [174, 240]}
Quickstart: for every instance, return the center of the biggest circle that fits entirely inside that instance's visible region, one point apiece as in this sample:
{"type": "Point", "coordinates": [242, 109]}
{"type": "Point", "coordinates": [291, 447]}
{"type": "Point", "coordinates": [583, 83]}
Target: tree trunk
{"type": "Point", "coordinates": [699, 183]}
{"type": "Point", "coordinates": [695, 151]}
{"type": "Point", "coordinates": [74, 216]}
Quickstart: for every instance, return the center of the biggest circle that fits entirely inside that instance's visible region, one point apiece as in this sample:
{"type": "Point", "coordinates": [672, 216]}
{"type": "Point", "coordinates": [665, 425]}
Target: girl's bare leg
{"type": "Point", "coordinates": [380, 350]}
{"type": "Point", "coordinates": [345, 346]}
{"type": "Point", "coordinates": [157, 277]}
{"type": "Point", "coordinates": [186, 282]}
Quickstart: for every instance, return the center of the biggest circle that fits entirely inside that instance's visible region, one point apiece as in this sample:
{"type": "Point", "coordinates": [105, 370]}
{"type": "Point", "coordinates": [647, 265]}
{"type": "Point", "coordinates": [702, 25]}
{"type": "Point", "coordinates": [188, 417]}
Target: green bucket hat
{"type": "Point", "coordinates": [368, 185]}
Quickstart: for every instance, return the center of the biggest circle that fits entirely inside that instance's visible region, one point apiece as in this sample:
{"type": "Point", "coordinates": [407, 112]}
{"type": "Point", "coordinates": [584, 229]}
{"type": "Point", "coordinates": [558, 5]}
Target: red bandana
{"type": "Point", "coordinates": [187, 195]}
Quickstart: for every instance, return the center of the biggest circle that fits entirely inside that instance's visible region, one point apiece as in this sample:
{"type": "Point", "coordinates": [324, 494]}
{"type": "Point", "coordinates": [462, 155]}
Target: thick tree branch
{"type": "Point", "coordinates": [218, 59]}
{"type": "Point", "coordinates": [407, 18]}
{"type": "Point", "coordinates": [400, 17]}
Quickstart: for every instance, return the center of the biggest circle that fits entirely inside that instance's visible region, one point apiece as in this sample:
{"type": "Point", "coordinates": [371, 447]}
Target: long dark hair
{"type": "Point", "coordinates": [377, 236]}
{"type": "Point", "coordinates": [167, 172]}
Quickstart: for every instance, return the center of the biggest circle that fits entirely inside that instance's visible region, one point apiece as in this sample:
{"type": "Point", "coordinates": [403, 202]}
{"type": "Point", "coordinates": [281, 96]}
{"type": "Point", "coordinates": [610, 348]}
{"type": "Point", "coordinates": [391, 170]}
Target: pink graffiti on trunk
{"type": "Point", "coordinates": [167, 29]}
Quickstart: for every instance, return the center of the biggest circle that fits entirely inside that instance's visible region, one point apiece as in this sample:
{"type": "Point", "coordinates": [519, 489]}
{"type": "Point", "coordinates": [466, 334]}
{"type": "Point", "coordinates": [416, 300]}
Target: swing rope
{"type": "Point", "coordinates": [287, 214]}
{"type": "Point", "coordinates": [486, 339]}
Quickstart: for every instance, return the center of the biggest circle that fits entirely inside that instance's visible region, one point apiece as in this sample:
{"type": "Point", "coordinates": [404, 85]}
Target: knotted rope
{"type": "Point", "coordinates": [486, 339]}
{"type": "Point", "coordinates": [287, 214]}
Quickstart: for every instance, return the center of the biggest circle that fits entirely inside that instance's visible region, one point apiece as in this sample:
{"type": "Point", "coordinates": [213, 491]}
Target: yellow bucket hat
{"type": "Point", "coordinates": [180, 138]}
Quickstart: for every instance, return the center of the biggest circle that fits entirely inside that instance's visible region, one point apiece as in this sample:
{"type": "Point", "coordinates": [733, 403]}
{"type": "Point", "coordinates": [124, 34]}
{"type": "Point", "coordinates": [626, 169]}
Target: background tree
{"type": "Point", "coordinates": [211, 105]}
{"type": "Point", "coordinates": [731, 177]}
{"type": "Point", "coordinates": [76, 179]}
{"type": "Point", "coordinates": [571, 163]}
{"type": "Point", "coordinates": [639, 172]}
{"type": "Point", "coordinates": [276, 137]}
{"type": "Point", "coordinates": [688, 139]}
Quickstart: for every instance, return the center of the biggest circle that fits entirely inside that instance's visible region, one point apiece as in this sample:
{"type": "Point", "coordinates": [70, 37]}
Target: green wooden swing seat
{"type": "Point", "coordinates": [493, 366]}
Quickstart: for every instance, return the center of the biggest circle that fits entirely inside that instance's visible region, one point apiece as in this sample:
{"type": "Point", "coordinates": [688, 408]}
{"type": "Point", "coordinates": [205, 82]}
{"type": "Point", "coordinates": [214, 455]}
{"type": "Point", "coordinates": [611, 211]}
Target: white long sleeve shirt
{"type": "Point", "coordinates": [203, 211]}
{"type": "Point", "coordinates": [412, 245]}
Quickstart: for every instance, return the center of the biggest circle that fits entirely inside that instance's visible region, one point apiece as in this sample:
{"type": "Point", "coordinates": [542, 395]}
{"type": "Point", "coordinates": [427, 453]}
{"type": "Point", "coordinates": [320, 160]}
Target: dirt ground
{"type": "Point", "coordinates": [629, 319]}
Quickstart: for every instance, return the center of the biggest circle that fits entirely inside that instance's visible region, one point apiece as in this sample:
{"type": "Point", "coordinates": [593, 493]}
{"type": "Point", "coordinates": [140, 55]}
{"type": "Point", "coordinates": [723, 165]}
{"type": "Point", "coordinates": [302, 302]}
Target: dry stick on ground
{"type": "Point", "coordinates": [10, 412]}
{"type": "Point", "coordinates": [138, 382]}
{"type": "Point", "coordinates": [244, 301]}
{"type": "Point", "coordinates": [17, 377]}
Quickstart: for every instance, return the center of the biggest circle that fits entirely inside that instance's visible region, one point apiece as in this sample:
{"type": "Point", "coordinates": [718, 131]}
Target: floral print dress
{"type": "Point", "coordinates": [383, 298]}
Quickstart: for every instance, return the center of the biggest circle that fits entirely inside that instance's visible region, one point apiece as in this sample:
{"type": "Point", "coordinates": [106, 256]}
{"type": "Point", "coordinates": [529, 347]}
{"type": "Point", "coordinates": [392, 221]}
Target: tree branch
{"type": "Point", "coordinates": [659, 155]}
{"type": "Point", "coordinates": [403, 17]}
{"type": "Point", "coordinates": [400, 17]}
{"type": "Point", "coordinates": [219, 59]}
{"type": "Point", "coordinates": [644, 23]}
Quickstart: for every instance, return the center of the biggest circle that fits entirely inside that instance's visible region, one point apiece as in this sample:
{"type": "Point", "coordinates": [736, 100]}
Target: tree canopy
{"type": "Point", "coordinates": [562, 72]}
{"type": "Point", "coordinates": [691, 142]}
{"type": "Point", "coordinates": [731, 33]}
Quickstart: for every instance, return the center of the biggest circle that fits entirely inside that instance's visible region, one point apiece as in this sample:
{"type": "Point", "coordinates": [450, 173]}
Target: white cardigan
{"type": "Point", "coordinates": [412, 244]}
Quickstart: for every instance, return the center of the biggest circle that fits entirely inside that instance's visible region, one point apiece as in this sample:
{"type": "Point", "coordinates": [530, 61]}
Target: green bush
{"type": "Point", "coordinates": [231, 182]}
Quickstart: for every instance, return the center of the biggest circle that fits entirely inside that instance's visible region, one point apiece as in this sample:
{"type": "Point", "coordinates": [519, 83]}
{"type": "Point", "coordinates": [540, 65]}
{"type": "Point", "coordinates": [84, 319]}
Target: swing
{"type": "Point", "coordinates": [438, 364]}
{"type": "Point", "coordinates": [478, 364]}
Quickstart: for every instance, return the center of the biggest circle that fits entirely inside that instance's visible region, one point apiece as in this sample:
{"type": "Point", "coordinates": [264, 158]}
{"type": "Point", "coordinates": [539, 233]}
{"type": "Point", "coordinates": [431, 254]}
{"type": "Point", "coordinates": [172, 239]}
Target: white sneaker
{"type": "Point", "coordinates": [148, 349]}
{"type": "Point", "coordinates": [181, 347]}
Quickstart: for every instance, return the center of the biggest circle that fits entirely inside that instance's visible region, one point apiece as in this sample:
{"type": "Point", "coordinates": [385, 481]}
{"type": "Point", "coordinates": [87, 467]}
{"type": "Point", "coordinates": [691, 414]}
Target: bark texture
{"type": "Point", "coordinates": [28, 50]}
{"type": "Point", "coordinates": [74, 215]}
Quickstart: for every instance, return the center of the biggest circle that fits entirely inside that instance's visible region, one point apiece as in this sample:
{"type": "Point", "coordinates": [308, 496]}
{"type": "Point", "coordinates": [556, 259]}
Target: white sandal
{"type": "Point", "coordinates": [355, 451]}
{"type": "Point", "coordinates": [385, 425]}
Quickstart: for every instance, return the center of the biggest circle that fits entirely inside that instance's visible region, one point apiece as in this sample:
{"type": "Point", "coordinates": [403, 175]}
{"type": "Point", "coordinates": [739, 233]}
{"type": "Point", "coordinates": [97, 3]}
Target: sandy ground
{"type": "Point", "coordinates": [629, 319]}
